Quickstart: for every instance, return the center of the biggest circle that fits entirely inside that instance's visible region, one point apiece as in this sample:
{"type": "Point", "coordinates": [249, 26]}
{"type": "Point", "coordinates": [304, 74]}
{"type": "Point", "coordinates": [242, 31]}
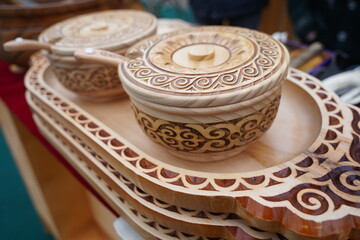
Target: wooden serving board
{"type": "Point", "coordinates": [300, 179]}
{"type": "Point", "coordinates": [184, 221]}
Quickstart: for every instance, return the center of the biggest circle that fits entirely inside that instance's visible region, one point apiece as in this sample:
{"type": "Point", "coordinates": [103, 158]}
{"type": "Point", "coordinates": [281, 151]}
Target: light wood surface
{"type": "Point", "coordinates": [254, 195]}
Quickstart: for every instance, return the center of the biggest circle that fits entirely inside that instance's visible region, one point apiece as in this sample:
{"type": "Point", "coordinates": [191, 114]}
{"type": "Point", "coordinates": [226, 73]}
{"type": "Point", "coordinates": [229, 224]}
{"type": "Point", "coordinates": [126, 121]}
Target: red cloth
{"type": "Point", "coordinates": [12, 92]}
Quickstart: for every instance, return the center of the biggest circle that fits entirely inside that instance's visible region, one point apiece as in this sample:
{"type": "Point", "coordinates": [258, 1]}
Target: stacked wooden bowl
{"type": "Point", "coordinates": [300, 180]}
{"type": "Point", "coordinates": [27, 19]}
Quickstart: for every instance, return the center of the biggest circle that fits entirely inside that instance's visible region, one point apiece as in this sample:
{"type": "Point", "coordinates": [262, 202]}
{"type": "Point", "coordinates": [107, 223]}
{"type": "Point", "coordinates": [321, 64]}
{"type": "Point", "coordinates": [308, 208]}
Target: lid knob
{"type": "Point", "coordinates": [201, 52]}
{"type": "Point", "coordinates": [99, 26]}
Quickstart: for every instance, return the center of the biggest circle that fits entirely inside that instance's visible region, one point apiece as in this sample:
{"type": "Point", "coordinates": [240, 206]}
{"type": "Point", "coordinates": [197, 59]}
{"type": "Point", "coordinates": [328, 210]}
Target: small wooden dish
{"type": "Point", "coordinates": [299, 186]}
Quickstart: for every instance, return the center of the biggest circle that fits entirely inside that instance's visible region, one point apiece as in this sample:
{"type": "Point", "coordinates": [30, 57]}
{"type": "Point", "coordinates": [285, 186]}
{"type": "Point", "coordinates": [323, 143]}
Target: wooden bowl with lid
{"type": "Point", "coordinates": [112, 30]}
{"type": "Point", "coordinates": [204, 93]}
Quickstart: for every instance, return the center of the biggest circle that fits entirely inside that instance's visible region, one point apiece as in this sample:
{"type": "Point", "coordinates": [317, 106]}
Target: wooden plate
{"type": "Point", "coordinates": [307, 184]}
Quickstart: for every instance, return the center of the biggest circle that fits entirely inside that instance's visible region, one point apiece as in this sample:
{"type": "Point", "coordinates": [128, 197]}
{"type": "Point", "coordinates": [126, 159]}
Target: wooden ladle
{"type": "Point", "coordinates": [92, 55]}
{"type": "Point", "coordinates": [21, 44]}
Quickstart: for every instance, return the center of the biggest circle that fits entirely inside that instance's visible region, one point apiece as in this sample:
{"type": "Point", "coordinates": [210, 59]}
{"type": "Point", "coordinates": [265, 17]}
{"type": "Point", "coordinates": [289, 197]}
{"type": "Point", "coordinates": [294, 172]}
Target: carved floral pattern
{"type": "Point", "coordinates": [88, 79]}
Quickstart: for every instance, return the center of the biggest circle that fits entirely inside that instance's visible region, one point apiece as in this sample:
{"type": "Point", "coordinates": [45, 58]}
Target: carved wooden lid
{"type": "Point", "coordinates": [108, 30]}
{"type": "Point", "coordinates": [213, 66]}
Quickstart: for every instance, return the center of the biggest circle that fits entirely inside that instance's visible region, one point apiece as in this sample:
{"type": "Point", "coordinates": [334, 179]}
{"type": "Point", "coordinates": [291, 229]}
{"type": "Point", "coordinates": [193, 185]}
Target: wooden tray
{"type": "Point", "coordinates": [195, 222]}
{"type": "Point", "coordinates": [146, 227]}
{"type": "Point", "coordinates": [309, 186]}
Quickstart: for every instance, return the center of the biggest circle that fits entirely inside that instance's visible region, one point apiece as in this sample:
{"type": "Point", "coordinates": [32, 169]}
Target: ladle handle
{"type": "Point", "coordinates": [20, 44]}
{"type": "Point", "coordinates": [92, 55]}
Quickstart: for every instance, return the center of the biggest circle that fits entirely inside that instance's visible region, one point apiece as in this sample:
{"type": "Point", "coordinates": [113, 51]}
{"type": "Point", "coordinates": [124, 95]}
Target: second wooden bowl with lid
{"type": "Point", "coordinates": [204, 93]}
{"type": "Point", "coordinates": [112, 30]}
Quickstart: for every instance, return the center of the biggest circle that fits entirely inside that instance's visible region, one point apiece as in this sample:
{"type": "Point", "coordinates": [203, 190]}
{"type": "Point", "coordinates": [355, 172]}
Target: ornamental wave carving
{"type": "Point", "coordinates": [233, 75]}
{"type": "Point", "coordinates": [338, 187]}
{"type": "Point", "coordinates": [210, 137]}
{"type": "Point", "coordinates": [88, 80]}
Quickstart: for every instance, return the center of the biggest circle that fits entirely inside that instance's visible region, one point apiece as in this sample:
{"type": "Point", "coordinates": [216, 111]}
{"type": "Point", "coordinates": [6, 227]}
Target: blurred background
{"type": "Point", "coordinates": [322, 36]}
